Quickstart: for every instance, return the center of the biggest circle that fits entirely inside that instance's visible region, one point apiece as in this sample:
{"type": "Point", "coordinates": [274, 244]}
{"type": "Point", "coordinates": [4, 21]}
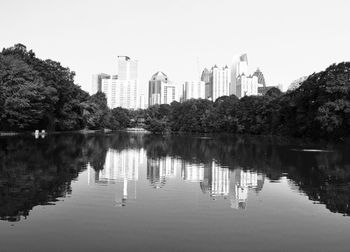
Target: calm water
{"type": "Point", "coordinates": [135, 192]}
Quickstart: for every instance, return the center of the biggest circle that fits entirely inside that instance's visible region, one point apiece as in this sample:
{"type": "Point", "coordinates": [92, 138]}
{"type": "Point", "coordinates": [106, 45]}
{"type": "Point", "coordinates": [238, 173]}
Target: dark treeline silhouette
{"type": "Point", "coordinates": [320, 107]}
{"type": "Point", "coordinates": [41, 94]}
{"type": "Point", "coordinates": [39, 171]}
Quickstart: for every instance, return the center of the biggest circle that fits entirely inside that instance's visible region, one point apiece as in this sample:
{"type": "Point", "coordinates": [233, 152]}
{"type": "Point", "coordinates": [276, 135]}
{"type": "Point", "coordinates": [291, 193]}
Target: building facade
{"type": "Point", "coordinates": [120, 93]}
{"type": "Point", "coordinates": [246, 85]}
{"type": "Point", "coordinates": [217, 82]}
{"type": "Point", "coordinates": [193, 90]}
{"type": "Point", "coordinates": [161, 90]}
{"type": "Point", "coordinates": [206, 78]}
{"type": "Point", "coordinates": [122, 89]}
{"type": "Point", "coordinates": [221, 80]}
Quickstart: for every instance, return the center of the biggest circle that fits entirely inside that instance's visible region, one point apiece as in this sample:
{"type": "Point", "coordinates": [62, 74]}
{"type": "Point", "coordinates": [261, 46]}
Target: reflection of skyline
{"type": "Point", "coordinates": [161, 168]}
{"type": "Point", "coordinates": [119, 167]}
{"type": "Point", "coordinates": [242, 181]}
{"type": "Point", "coordinates": [192, 172]}
{"type": "Point", "coordinates": [44, 170]}
{"type": "Point", "coordinates": [221, 181]}
{"type": "Point", "coordinates": [214, 179]}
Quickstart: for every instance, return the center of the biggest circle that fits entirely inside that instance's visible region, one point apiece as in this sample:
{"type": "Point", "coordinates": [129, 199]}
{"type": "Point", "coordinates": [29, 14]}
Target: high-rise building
{"type": "Point", "coordinates": [193, 90]}
{"type": "Point", "coordinates": [120, 93]}
{"type": "Point", "coordinates": [246, 85]}
{"type": "Point", "coordinates": [239, 66]}
{"type": "Point", "coordinates": [217, 82]}
{"type": "Point", "coordinates": [161, 90]}
{"type": "Point", "coordinates": [127, 68]}
{"type": "Point", "coordinates": [96, 84]}
{"type": "Point", "coordinates": [206, 78]}
{"type": "Point", "coordinates": [221, 80]}
{"type": "Point", "coordinates": [121, 89]}
{"type": "Point", "coordinates": [261, 78]}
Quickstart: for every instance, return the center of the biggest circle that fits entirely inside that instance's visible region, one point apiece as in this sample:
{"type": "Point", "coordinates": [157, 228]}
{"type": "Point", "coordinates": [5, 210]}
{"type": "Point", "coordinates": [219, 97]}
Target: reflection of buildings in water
{"type": "Point", "coordinates": [243, 181]}
{"type": "Point", "coordinates": [161, 168]}
{"type": "Point", "coordinates": [216, 180]}
{"type": "Point", "coordinates": [220, 181]}
{"type": "Point", "coordinates": [192, 172]}
{"type": "Point", "coordinates": [119, 167]}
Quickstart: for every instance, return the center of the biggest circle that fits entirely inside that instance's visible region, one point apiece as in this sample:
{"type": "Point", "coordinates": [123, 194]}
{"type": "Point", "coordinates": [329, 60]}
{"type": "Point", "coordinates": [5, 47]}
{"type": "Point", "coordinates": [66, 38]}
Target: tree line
{"type": "Point", "coordinates": [41, 94]}
{"type": "Point", "coordinates": [319, 107]}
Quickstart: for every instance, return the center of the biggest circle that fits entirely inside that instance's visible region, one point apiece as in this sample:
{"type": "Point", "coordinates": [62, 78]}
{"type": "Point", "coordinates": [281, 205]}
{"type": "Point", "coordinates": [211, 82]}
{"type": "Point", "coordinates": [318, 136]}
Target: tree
{"type": "Point", "coordinates": [23, 99]}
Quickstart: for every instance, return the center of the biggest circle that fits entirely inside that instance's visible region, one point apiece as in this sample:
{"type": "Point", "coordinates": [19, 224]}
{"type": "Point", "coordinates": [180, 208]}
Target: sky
{"type": "Point", "coordinates": [285, 39]}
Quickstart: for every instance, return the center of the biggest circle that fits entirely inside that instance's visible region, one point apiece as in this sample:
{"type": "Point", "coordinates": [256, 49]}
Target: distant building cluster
{"type": "Point", "coordinates": [233, 80]}
{"type": "Point", "coordinates": [122, 88]}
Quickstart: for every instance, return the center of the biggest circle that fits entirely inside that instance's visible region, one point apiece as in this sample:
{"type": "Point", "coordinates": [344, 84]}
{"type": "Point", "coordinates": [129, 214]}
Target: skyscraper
{"type": "Point", "coordinates": [161, 90]}
{"type": "Point", "coordinates": [246, 85]}
{"type": "Point", "coordinates": [239, 66]}
{"type": "Point", "coordinates": [217, 82]}
{"type": "Point", "coordinates": [127, 68]}
{"type": "Point", "coordinates": [261, 78]}
{"type": "Point", "coordinates": [121, 90]}
{"type": "Point", "coordinates": [221, 80]}
{"type": "Point", "coordinates": [206, 78]}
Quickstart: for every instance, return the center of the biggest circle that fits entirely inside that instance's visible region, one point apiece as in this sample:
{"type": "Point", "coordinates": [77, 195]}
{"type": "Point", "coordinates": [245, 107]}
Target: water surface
{"type": "Point", "coordinates": [141, 192]}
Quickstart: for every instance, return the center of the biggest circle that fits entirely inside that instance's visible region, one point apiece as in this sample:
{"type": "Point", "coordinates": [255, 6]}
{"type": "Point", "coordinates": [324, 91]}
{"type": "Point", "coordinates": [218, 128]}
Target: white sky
{"type": "Point", "coordinates": [286, 39]}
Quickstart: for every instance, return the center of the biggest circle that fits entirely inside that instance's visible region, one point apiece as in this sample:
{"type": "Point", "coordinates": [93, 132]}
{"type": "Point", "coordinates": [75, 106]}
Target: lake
{"type": "Point", "coordinates": [143, 192]}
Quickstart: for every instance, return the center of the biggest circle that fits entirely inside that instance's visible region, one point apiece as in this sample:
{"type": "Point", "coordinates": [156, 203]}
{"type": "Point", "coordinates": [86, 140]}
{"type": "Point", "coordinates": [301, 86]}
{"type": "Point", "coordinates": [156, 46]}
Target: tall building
{"type": "Point", "coordinates": [206, 78]}
{"type": "Point", "coordinates": [239, 66]}
{"type": "Point", "coordinates": [121, 89]}
{"type": "Point", "coordinates": [217, 82]}
{"type": "Point", "coordinates": [221, 80]}
{"type": "Point", "coordinates": [161, 90]}
{"type": "Point", "coordinates": [261, 78]}
{"type": "Point", "coordinates": [193, 90]}
{"type": "Point", "coordinates": [127, 68]}
{"type": "Point", "coordinates": [96, 84]}
{"type": "Point", "coordinates": [120, 93]}
{"type": "Point", "coordinates": [246, 85]}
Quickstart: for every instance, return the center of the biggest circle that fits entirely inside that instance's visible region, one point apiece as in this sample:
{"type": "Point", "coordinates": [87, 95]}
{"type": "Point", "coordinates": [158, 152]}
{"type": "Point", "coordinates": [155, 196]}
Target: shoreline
{"type": "Point", "coordinates": [194, 134]}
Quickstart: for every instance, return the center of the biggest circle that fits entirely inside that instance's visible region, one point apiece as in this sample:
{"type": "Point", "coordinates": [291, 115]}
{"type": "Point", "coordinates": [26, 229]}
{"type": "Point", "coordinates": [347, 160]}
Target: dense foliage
{"type": "Point", "coordinates": [41, 94]}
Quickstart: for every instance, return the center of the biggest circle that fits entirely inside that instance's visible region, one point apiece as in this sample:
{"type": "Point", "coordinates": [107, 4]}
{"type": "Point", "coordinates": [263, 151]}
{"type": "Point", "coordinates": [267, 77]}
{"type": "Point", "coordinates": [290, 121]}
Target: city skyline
{"type": "Point", "coordinates": [282, 40]}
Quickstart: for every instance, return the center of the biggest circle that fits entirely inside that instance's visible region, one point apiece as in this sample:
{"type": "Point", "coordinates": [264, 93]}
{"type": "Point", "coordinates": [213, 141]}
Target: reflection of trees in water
{"type": "Point", "coordinates": [37, 172]}
{"type": "Point", "coordinates": [323, 176]}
